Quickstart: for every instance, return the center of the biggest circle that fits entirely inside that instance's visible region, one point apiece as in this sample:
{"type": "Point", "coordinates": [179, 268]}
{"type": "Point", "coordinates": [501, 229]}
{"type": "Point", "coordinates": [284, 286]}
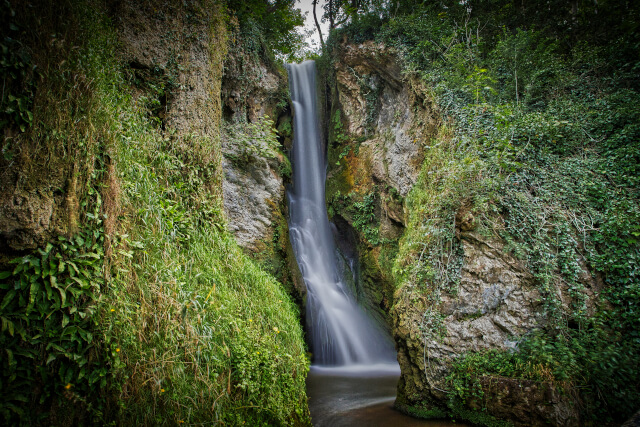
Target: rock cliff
{"type": "Point", "coordinates": [255, 101]}
{"type": "Point", "coordinates": [253, 185]}
{"type": "Point", "coordinates": [376, 120]}
{"type": "Point", "coordinates": [495, 304]}
{"type": "Point", "coordinates": [382, 123]}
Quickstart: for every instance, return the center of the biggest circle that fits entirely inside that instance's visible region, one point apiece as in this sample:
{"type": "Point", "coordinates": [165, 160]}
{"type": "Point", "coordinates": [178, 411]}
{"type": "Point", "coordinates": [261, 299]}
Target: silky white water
{"type": "Point", "coordinates": [341, 334]}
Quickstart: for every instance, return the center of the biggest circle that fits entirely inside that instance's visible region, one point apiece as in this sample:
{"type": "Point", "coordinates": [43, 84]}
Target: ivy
{"type": "Point", "coordinates": [18, 74]}
{"type": "Point", "coordinates": [252, 141]}
{"type": "Point", "coordinates": [49, 313]}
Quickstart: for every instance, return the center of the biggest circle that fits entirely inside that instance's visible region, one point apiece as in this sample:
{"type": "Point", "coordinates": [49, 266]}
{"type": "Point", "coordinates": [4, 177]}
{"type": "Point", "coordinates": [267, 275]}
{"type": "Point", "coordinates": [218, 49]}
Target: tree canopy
{"type": "Point", "coordinates": [276, 19]}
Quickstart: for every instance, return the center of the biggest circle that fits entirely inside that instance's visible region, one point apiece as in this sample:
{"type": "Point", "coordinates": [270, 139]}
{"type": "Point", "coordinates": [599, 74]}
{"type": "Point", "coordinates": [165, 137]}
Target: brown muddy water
{"type": "Point", "coordinates": [344, 397]}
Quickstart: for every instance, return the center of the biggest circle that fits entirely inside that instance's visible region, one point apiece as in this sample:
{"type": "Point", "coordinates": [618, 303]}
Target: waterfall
{"type": "Point", "coordinates": [340, 332]}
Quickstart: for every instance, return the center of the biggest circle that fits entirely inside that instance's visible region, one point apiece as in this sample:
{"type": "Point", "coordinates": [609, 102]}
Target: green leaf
{"type": "Point", "coordinates": [51, 358]}
{"type": "Point", "coordinates": [49, 291]}
{"type": "Point", "coordinates": [7, 325]}
{"type": "Point", "coordinates": [35, 287]}
{"type": "Point", "coordinates": [55, 347]}
{"type": "Point", "coordinates": [4, 274]}
{"type": "Point", "coordinates": [53, 280]}
{"type": "Point", "coordinates": [75, 268]}
{"type": "Point", "coordinates": [82, 282]}
{"type": "Point", "coordinates": [90, 255]}
{"type": "Point", "coordinates": [63, 296]}
{"type": "Point", "coordinates": [18, 269]}
{"type": "Point", "coordinates": [7, 298]}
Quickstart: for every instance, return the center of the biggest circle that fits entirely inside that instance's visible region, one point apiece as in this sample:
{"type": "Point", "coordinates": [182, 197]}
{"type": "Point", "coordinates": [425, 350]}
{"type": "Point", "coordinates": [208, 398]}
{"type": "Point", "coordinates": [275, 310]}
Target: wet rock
{"type": "Point", "coordinates": [384, 110]}
{"type": "Point", "coordinates": [253, 193]}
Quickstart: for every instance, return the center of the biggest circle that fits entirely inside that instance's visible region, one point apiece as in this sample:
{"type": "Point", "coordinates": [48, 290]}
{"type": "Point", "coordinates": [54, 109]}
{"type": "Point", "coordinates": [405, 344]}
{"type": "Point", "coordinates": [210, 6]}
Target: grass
{"type": "Point", "coordinates": [205, 333]}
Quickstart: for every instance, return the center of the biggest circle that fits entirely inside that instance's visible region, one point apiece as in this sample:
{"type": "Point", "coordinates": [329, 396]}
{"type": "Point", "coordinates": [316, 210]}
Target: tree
{"type": "Point", "coordinates": [276, 19]}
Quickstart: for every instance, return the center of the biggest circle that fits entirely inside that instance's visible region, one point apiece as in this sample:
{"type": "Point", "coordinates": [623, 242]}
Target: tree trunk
{"type": "Point", "coordinates": [332, 23]}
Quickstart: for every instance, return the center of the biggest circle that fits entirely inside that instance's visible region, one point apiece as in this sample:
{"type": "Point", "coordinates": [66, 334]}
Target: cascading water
{"type": "Point", "coordinates": [341, 333]}
{"type": "Point", "coordinates": [353, 379]}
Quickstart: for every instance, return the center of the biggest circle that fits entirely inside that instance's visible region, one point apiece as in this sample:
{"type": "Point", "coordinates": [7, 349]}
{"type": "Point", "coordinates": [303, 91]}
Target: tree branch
{"type": "Point", "coordinates": [315, 18]}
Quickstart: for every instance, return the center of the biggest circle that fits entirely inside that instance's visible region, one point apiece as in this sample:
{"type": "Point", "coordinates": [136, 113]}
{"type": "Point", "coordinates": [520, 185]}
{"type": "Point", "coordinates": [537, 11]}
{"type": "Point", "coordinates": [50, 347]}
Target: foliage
{"type": "Point", "coordinates": [277, 21]}
{"type": "Point", "coordinates": [538, 145]}
{"type": "Point", "coordinates": [362, 212]}
{"type": "Point", "coordinates": [337, 130]}
{"type": "Point", "coordinates": [16, 72]}
{"type": "Point", "coordinates": [365, 218]}
{"type": "Point", "coordinates": [51, 356]}
{"type": "Point", "coordinates": [465, 374]}
{"type": "Point", "coordinates": [150, 313]}
{"type": "Point", "coordinates": [252, 140]}
{"type": "Point", "coordinates": [588, 360]}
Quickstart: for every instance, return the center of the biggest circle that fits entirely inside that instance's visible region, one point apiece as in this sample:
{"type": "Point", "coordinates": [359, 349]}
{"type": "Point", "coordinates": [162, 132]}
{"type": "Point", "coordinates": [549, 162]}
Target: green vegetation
{"type": "Point", "coordinates": [141, 309]}
{"type": "Point", "coordinates": [272, 23]}
{"type": "Point", "coordinates": [539, 144]}
{"type": "Point", "coordinates": [49, 317]}
{"type": "Point", "coordinates": [228, 332]}
{"type": "Point", "coordinates": [144, 310]}
{"type": "Point", "coordinates": [257, 140]}
{"type": "Point", "coordinates": [361, 213]}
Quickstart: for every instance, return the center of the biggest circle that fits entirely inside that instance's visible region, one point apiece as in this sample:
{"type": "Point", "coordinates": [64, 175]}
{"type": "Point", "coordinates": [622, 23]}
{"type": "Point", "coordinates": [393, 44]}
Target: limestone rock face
{"type": "Point", "coordinates": [495, 303]}
{"type": "Point", "coordinates": [202, 99]}
{"type": "Point", "coordinates": [386, 109]}
{"type": "Point", "coordinates": [253, 195]}
{"type": "Point", "coordinates": [253, 188]}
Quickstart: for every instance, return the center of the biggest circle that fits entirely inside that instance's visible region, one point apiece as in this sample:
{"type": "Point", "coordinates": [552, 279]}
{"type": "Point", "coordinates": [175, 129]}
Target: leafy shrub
{"type": "Point", "coordinates": [52, 354]}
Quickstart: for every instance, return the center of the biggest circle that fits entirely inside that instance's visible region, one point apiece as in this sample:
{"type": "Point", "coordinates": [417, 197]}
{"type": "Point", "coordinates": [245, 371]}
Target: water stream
{"type": "Point", "coordinates": [354, 372]}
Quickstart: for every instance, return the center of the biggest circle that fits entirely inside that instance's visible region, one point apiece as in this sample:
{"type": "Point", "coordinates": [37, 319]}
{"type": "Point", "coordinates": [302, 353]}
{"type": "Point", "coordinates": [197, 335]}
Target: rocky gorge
{"type": "Point", "coordinates": [150, 177]}
{"type": "Point", "coordinates": [385, 120]}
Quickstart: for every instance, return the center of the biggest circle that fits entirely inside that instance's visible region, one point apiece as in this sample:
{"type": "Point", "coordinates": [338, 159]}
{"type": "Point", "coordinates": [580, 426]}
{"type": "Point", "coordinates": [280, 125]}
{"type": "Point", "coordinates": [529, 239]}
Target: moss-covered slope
{"type": "Point", "coordinates": [124, 298]}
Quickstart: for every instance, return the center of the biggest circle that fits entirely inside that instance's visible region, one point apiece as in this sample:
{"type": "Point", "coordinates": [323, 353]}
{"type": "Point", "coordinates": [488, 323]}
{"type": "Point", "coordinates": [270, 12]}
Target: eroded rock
{"type": "Point", "coordinates": [495, 303]}
{"type": "Point", "coordinates": [386, 109]}
{"type": "Point", "coordinates": [253, 195]}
